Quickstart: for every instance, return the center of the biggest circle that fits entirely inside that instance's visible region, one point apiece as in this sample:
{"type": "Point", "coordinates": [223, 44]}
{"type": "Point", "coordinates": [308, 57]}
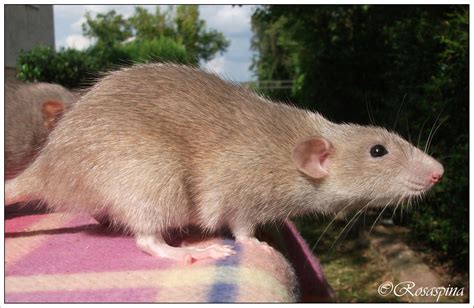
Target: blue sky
{"type": "Point", "coordinates": [233, 21]}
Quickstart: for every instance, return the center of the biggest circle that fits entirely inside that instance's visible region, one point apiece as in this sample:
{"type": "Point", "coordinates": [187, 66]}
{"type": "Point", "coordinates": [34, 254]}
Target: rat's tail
{"type": "Point", "coordinates": [19, 189]}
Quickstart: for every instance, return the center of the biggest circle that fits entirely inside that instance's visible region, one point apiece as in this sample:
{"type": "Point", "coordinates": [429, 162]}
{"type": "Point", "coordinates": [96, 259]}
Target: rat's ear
{"type": "Point", "coordinates": [311, 156]}
{"type": "Point", "coordinates": [52, 111]}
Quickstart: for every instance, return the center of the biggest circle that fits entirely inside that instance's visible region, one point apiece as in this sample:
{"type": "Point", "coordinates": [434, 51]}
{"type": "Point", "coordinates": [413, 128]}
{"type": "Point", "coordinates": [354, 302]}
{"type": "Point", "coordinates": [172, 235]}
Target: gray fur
{"type": "Point", "coordinates": [25, 131]}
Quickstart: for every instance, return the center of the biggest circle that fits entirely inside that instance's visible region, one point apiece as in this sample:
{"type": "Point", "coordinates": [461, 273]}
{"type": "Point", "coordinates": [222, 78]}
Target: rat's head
{"type": "Point", "coordinates": [368, 163]}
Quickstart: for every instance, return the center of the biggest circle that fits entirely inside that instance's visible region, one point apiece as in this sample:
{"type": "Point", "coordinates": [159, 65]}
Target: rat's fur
{"type": "Point", "coordinates": [25, 129]}
{"type": "Point", "coordinates": [163, 146]}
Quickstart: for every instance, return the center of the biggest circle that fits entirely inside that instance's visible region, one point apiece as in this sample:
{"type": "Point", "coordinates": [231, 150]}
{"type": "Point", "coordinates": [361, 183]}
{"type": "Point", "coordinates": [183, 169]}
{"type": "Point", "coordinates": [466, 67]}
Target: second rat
{"type": "Point", "coordinates": [162, 146]}
{"type": "Point", "coordinates": [31, 113]}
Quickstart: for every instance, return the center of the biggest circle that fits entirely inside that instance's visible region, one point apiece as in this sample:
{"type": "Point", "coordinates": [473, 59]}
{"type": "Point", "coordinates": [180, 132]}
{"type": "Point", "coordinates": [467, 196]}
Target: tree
{"type": "Point", "coordinates": [181, 24]}
{"type": "Point", "coordinates": [191, 31]}
{"type": "Point", "coordinates": [149, 26]}
{"type": "Point", "coordinates": [108, 28]}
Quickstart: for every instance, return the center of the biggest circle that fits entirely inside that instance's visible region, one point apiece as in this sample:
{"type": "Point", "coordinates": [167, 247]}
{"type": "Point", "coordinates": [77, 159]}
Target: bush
{"type": "Point", "coordinates": [73, 68]}
{"type": "Point", "coordinates": [67, 67]}
{"type": "Point", "coordinates": [162, 49]}
{"type": "Point", "coordinates": [106, 57]}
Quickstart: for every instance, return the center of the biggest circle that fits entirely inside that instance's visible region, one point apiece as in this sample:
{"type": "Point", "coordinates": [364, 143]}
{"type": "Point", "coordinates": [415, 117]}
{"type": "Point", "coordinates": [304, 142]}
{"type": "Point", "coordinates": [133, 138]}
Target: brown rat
{"type": "Point", "coordinates": [31, 112]}
{"type": "Point", "coordinates": [162, 146]}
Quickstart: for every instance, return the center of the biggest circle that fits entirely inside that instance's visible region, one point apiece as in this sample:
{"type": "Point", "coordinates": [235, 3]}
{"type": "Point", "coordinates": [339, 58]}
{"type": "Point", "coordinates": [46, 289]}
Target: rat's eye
{"type": "Point", "coordinates": [378, 151]}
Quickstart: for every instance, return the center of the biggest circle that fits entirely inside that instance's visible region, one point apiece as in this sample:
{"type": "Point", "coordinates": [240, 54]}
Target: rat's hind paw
{"type": "Point", "coordinates": [215, 252]}
{"type": "Point", "coordinates": [155, 247]}
{"type": "Point", "coordinates": [255, 242]}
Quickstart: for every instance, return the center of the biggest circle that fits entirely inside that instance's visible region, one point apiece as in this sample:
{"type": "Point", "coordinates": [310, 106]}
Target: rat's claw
{"type": "Point", "coordinates": [188, 259]}
{"type": "Point", "coordinates": [255, 242]}
{"type": "Point", "coordinates": [215, 252]}
{"type": "Point", "coordinates": [221, 248]}
{"type": "Point", "coordinates": [226, 249]}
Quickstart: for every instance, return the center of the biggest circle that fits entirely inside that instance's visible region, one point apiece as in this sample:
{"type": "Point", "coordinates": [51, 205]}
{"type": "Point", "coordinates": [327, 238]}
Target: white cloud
{"type": "Point", "coordinates": [227, 18]}
{"type": "Point", "coordinates": [69, 18]}
{"type": "Point", "coordinates": [124, 10]}
{"type": "Point", "coordinates": [78, 42]}
{"type": "Point", "coordinates": [216, 65]}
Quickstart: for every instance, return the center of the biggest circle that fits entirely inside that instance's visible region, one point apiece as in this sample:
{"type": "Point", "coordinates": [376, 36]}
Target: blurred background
{"type": "Point", "coordinates": [402, 67]}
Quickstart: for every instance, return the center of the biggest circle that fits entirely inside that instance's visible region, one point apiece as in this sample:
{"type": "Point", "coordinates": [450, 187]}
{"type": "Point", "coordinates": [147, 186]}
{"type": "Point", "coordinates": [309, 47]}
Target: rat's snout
{"type": "Point", "coordinates": [436, 172]}
{"type": "Point", "coordinates": [423, 173]}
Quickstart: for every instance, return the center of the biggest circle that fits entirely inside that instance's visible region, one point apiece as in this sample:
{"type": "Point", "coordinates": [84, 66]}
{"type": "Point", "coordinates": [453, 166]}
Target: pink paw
{"type": "Point", "coordinates": [152, 246]}
{"type": "Point", "coordinates": [255, 242]}
{"type": "Point", "coordinates": [215, 252]}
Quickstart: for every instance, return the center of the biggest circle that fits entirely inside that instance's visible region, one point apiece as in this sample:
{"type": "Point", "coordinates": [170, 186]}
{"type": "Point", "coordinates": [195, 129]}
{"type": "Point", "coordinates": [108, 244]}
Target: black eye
{"type": "Point", "coordinates": [378, 151]}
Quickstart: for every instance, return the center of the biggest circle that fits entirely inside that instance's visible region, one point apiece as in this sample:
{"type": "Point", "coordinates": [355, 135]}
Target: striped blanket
{"type": "Point", "coordinates": [57, 257]}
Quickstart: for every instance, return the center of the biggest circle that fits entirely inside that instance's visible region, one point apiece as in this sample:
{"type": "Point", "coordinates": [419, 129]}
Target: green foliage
{"type": "Point", "coordinates": [74, 68]}
{"type": "Point", "coordinates": [190, 31]}
{"type": "Point", "coordinates": [108, 56]}
{"type": "Point", "coordinates": [179, 36]}
{"type": "Point", "coordinates": [174, 35]}
{"type": "Point", "coordinates": [445, 222]}
{"type": "Point", "coordinates": [408, 58]}
{"type": "Point", "coordinates": [108, 28]}
{"type": "Point", "coordinates": [68, 67]}
{"type": "Point", "coordinates": [151, 26]}
{"type": "Point", "coordinates": [156, 49]}
{"type": "Point", "coordinates": [183, 25]}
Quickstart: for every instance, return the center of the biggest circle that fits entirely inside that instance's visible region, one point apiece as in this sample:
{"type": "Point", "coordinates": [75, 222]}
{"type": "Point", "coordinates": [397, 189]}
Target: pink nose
{"type": "Point", "coordinates": [436, 176]}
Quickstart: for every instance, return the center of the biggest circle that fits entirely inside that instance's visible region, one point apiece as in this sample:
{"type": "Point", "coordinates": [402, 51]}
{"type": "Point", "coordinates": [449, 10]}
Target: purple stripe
{"type": "Point", "coordinates": [84, 246]}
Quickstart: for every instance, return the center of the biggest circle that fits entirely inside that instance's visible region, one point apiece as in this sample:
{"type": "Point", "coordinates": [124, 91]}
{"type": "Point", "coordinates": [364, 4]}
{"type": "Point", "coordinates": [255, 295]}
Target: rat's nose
{"type": "Point", "coordinates": [435, 177]}
{"type": "Point", "coordinates": [436, 173]}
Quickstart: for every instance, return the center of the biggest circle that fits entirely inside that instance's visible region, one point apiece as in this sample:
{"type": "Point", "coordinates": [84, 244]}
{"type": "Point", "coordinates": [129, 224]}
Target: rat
{"type": "Point", "coordinates": [156, 147]}
{"type": "Point", "coordinates": [31, 113]}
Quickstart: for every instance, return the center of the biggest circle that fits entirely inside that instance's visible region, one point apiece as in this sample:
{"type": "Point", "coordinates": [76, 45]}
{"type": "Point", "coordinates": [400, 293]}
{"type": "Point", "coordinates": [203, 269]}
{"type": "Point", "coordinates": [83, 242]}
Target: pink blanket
{"type": "Point", "coordinates": [57, 257]}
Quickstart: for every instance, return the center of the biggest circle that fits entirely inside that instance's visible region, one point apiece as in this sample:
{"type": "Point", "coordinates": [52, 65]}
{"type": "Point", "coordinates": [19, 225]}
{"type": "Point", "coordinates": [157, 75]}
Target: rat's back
{"type": "Point", "coordinates": [180, 100]}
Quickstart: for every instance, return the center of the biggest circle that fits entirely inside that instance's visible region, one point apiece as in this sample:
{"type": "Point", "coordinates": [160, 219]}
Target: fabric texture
{"type": "Point", "coordinates": [58, 257]}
